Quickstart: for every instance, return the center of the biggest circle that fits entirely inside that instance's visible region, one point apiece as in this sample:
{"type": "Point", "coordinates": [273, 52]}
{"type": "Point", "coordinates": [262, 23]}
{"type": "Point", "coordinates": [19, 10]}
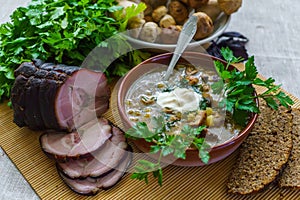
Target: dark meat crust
{"type": "Point", "coordinates": [18, 101]}
{"type": "Point", "coordinates": [26, 69]}
{"type": "Point", "coordinates": [35, 95]}
{"type": "Point", "coordinates": [32, 110]}
{"type": "Point", "coordinates": [47, 94]}
{"type": "Point", "coordinates": [34, 92]}
{"type": "Point", "coordinates": [50, 71]}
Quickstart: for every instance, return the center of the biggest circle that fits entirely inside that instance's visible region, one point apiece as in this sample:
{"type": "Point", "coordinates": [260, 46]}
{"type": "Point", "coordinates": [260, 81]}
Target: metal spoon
{"type": "Point", "coordinates": [188, 31]}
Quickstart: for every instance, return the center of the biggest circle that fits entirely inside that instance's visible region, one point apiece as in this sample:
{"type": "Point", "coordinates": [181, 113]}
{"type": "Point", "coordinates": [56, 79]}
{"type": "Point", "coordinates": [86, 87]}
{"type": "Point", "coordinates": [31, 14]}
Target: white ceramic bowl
{"type": "Point", "coordinates": [220, 26]}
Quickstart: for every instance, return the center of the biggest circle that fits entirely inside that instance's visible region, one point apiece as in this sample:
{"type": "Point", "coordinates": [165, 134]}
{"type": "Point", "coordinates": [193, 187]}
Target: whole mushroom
{"type": "Point", "coordinates": [167, 21]}
{"type": "Point", "coordinates": [229, 6]}
{"type": "Point", "coordinates": [204, 26]}
{"type": "Point", "coordinates": [150, 32]}
{"type": "Point", "coordinates": [178, 11]}
{"type": "Point", "coordinates": [163, 17]}
{"type": "Point", "coordinates": [159, 13]}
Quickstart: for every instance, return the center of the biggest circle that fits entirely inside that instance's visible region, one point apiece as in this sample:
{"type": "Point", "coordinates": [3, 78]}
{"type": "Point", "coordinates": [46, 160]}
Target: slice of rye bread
{"type": "Point", "coordinates": [263, 153]}
{"type": "Point", "coordinates": [291, 174]}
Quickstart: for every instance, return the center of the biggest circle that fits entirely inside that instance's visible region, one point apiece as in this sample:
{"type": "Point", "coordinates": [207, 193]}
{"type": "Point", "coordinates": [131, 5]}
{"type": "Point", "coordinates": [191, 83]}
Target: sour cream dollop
{"type": "Point", "coordinates": [180, 99]}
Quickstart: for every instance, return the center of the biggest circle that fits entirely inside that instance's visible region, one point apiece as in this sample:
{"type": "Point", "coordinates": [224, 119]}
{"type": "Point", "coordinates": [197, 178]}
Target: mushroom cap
{"type": "Point", "coordinates": [167, 21]}
{"type": "Point", "coordinates": [205, 25]}
{"type": "Point", "coordinates": [159, 13]}
{"type": "Point", "coordinates": [178, 11]}
{"type": "Point", "coordinates": [150, 32]}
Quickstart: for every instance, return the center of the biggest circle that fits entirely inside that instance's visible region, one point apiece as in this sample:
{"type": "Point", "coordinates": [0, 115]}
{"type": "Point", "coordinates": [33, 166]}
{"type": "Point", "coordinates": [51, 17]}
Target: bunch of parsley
{"type": "Point", "coordinates": [64, 32]}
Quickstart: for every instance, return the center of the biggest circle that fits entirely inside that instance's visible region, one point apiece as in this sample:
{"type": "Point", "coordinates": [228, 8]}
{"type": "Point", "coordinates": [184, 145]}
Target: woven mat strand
{"type": "Point", "coordinates": [209, 182]}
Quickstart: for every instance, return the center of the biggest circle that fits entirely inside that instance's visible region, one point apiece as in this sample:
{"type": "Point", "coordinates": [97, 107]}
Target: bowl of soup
{"type": "Point", "coordinates": [185, 99]}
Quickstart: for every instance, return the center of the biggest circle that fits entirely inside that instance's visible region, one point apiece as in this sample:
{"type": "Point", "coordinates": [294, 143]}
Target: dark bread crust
{"type": "Point", "coordinates": [263, 153]}
{"type": "Point", "coordinates": [291, 174]}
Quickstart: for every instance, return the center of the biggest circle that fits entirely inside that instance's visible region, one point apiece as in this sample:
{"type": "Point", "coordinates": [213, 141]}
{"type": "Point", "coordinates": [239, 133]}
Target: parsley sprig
{"type": "Point", "coordinates": [237, 87]}
{"type": "Point", "coordinates": [165, 144]}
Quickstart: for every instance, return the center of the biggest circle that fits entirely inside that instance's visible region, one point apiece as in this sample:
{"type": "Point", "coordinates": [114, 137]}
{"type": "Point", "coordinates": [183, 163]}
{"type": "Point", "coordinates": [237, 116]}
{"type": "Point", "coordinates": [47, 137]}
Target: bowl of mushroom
{"type": "Point", "coordinates": [158, 28]}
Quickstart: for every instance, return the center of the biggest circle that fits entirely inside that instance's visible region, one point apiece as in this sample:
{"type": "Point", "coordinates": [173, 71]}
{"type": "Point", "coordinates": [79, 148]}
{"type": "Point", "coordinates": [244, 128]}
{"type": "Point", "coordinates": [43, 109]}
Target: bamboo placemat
{"type": "Point", "coordinates": [208, 182]}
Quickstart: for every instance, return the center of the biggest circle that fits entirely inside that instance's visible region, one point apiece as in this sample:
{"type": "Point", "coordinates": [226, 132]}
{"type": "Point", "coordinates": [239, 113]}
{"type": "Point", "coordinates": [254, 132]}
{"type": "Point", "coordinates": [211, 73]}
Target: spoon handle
{"type": "Point", "coordinates": [188, 31]}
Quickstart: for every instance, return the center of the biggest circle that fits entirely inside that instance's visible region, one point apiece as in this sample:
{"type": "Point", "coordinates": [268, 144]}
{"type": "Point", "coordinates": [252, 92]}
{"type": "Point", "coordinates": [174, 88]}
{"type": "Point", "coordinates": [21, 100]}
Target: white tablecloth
{"type": "Point", "coordinates": [273, 27]}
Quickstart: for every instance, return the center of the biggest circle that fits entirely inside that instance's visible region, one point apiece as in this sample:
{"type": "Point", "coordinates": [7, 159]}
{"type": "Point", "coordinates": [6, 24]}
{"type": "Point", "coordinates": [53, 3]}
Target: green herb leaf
{"type": "Point", "coordinates": [154, 149]}
{"type": "Point", "coordinates": [140, 176]}
{"type": "Point", "coordinates": [204, 152]}
{"type": "Point", "coordinates": [228, 55]}
{"type": "Point", "coordinates": [140, 130]}
{"type": "Point", "coordinates": [271, 102]}
{"type": "Point", "coordinates": [158, 174]}
{"type": "Point", "coordinates": [250, 69]}
{"type": "Point", "coordinates": [145, 167]}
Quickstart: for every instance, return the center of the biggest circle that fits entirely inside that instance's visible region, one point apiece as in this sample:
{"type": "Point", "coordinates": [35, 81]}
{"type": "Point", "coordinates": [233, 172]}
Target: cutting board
{"type": "Point", "coordinates": [208, 182]}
